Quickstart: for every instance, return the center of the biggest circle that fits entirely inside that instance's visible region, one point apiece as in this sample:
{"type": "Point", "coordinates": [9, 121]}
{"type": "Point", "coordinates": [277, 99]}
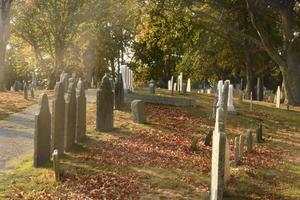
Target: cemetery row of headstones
{"type": "Point", "coordinates": [179, 86]}
{"type": "Point", "coordinates": [62, 128]}
{"type": "Point", "coordinates": [220, 172]}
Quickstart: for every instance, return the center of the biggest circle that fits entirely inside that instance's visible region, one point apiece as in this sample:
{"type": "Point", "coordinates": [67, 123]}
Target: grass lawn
{"type": "Point", "coordinates": [13, 102]}
{"type": "Point", "coordinates": [154, 161]}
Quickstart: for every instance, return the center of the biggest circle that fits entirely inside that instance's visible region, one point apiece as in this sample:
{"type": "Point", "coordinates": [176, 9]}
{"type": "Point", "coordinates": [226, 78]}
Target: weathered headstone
{"type": "Point", "coordinates": [241, 146]}
{"type": "Point", "coordinates": [249, 141]}
{"type": "Point", "coordinates": [119, 93]}
{"type": "Point", "coordinates": [138, 111]}
{"type": "Point", "coordinates": [220, 87]}
{"type": "Point", "coordinates": [56, 165]}
{"type": "Point", "coordinates": [58, 118]}
{"type": "Point", "coordinates": [152, 87]}
{"type": "Point", "coordinates": [105, 104]}
{"type": "Point", "coordinates": [175, 87]}
{"type": "Point", "coordinates": [224, 99]}
{"type": "Point", "coordinates": [188, 87]}
{"type": "Point", "coordinates": [42, 133]}
{"type": "Point", "coordinates": [278, 97]}
{"type": "Point", "coordinates": [259, 137]}
{"type": "Point", "coordinates": [230, 100]}
{"type": "Point", "coordinates": [81, 113]}
{"type": "Point", "coordinates": [218, 158]}
{"type": "Point", "coordinates": [236, 151]}
{"type": "Point", "coordinates": [25, 90]}
{"type": "Point", "coordinates": [208, 138]}
{"type": "Point", "coordinates": [70, 117]}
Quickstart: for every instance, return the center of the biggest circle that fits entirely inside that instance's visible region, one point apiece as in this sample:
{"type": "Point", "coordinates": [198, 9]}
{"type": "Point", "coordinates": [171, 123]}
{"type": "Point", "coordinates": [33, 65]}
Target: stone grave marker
{"type": "Point", "coordinates": [58, 119]}
{"type": "Point", "coordinates": [189, 88]}
{"type": "Point", "coordinates": [249, 141]}
{"type": "Point", "coordinates": [119, 93]}
{"type": "Point", "coordinates": [208, 138]}
{"type": "Point", "coordinates": [70, 117]}
{"type": "Point", "coordinates": [81, 113]}
{"type": "Point", "coordinates": [278, 97]}
{"type": "Point", "coordinates": [218, 158]}
{"type": "Point", "coordinates": [241, 146]}
{"type": "Point", "coordinates": [138, 111]}
{"type": "Point", "coordinates": [230, 99]}
{"type": "Point", "coordinates": [42, 133]}
{"type": "Point", "coordinates": [105, 104]}
{"type": "Point", "coordinates": [236, 151]}
{"type": "Point", "coordinates": [56, 165]}
{"type": "Point", "coordinates": [259, 137]}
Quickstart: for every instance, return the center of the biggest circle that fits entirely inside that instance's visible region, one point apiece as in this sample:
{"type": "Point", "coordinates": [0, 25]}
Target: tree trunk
{"type": "Point", "coordinates": [5, 6]}
{"type": "Point", "coordinates": [260, 89]}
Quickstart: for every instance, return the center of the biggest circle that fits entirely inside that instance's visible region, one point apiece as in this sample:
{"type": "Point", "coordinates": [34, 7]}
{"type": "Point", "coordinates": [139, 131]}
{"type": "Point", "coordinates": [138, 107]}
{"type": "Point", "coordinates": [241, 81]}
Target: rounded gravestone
{"type": "Point", "coordinates": [138, 111]}
{"type": "Point", "coordinates": [119, 93]}
{"type": "Point", "coordinates": [105, 104]}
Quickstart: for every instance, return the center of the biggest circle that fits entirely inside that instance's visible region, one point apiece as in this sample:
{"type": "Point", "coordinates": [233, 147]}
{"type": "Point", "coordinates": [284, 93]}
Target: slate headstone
{"type": "Point", "coordinates": [138, 111]}
{"type": "Point", "coordinates": [58, 118]}
{"type": "Point", "coordinates": [56, 165]}
{"type": "Point", "coordinates": [105, 104]}
{"type": "Point", "coordinates": [42, 133]}
{"type": "Point", "coordinates": [81, 113]}
{"type": "Point", "coordinates": [70, 117]}
{"type": "Point", "coordinates": [25, 90]}
{"type": "Point", "coordinates": [119, 93]}
{"type": "Point", "coordinates": [241, 146]}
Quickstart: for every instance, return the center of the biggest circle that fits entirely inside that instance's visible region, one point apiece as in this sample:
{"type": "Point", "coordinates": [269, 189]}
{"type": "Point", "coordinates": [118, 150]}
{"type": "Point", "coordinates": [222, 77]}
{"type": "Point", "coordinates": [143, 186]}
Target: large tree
{"type": "Point", "coordinates": [5, 8]}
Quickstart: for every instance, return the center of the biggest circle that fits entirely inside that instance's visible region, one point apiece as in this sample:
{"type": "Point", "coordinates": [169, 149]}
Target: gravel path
{"type": "Point", "coordinates": [16, 134]}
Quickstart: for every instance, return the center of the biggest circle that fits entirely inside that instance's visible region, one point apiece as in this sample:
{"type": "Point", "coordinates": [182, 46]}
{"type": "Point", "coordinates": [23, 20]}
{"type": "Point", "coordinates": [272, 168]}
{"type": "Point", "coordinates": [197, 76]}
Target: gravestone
{"type": "Point", "coordinates": [218, 158]}
{"type": "Point", "coordinates": [70, 117]}
{"type": "Point", "coordinates": [172, 83]}
{"type": "Point", "coordinates": [58, 119]}
{"type": "Point", "coordinates": [56, 165]}
{"type": "Point", "coordinates": [241, 95]}
{"type": "Point", "coordinates": [278, 97]}
{"type": "Point", "coordinates": [220, 87]}
{"type": "Point", "coordinates": [175, 87]}
{"type": "Point", "coordinates": [236, 151]}
{"type": "Point", "coordinates": [241, 146]}
{"type": "Point", "coordinates": [259, 137]}
{"type": "Point", "coordinates": [42, 133]}
{"type": "Point", "coordinates": [188, 87]}
{"type": "Point", "coordinates": [208, 138]}
{"type": "Point", "coordinates": [169, 85]}
{"type": "Point", "coordinates": [119, 93]}
{"type": "Point", "coordinates": [224, 99]}
{"type": "Point", "coordinates": [81, 113]}
{"type": "Point", "coordinates": [152, 87]}
{"type": "Point", "coordinates": [138, 111]}
{"type": "Point", "coordinates": [105, 104]}
{"type": "Point", "coordinates": [64, 78]}
{"type": "Point", "coordinates": [33, 80]}
{"type": "Point", "coordinates": [249, 141]}
{"type": "Point", "coordinates": [230, 99]}
{"type": "Point", "coordinates": [25, 90]}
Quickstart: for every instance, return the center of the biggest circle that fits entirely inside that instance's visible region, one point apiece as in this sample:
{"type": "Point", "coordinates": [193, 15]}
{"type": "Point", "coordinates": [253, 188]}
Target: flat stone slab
{"type": "Point", "coordinates": [174, 101]}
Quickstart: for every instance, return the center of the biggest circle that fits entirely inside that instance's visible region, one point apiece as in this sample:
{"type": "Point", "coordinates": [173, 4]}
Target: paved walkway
{"type": "Point", "coordinates": [16, 134]}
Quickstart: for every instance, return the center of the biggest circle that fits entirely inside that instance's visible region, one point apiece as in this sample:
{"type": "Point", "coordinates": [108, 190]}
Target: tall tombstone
{"type": "Point", "coordinates": [241, 146]}
{"type": "Point", "coordinates": [220, 87]}
{"type": "Point", "coordinates": [230, 100]}
{"type": "Point", "coordinates": [175, 86]}
{"type": "Point", "coordinates": [278, 97]}
{"type": "Point", "coordinates": [218, 158]}
{"type": "Point", "coordinates": [58, 118]}
{"type": "Point", "coordinates": [104, 118]}
{"type": "Point", "coordinates": [249, 141]}
{"type": "Point", "coordinates": [169, 85]}
{"type": "Point", "coordinates": [259, 137]}
{"type": "Point", "coordinates": [188, 87]}
{"type": "Point", "coordinates": [25, 90]}
{"type": "Point", "coordinates": [42, 133]}
{"type": "Point", "coordinates": [224, 99]}
{"type": "Point", "coordinates": [81, 113]}
{"type": "Point", "coordinates": [181, 82]}
{"type": "Point", "coordinates": [119, 93]}
{"type": "Point", "coordinates": [70, 117]}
